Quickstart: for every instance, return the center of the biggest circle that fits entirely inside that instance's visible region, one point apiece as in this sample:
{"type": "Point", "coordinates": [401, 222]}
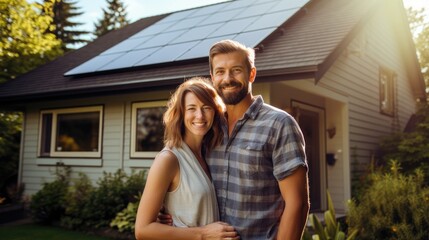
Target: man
{"type": "Point", "coordinates": [260, 170]}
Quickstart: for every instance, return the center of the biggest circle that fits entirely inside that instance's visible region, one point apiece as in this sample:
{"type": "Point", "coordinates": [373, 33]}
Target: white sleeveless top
{"type": "Point", "coordinates": [193, 203]}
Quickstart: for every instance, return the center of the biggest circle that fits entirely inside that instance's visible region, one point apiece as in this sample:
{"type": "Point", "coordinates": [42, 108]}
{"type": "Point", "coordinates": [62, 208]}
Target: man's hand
{"type": "Point", "coordinates": [164, 217]}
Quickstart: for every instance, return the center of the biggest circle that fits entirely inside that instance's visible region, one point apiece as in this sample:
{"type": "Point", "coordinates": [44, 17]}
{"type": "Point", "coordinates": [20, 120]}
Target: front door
{"type": "Point", "coordinates": [311, 122]}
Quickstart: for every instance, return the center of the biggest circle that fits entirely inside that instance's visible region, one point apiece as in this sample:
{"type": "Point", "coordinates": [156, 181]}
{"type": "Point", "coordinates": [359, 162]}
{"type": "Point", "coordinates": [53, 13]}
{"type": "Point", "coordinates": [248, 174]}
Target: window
{"type": "Point", "coordinates": [71, 132]}
{"type": "Point", "coordinates": [147, 129]}
{"type": "Point", "coordinates": [387, 98]}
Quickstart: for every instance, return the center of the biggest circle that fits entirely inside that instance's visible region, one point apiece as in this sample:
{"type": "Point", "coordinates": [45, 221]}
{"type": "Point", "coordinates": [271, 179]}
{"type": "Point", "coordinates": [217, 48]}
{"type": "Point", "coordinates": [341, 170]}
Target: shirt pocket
{"type": "Point", "coordinates": [251, 155]}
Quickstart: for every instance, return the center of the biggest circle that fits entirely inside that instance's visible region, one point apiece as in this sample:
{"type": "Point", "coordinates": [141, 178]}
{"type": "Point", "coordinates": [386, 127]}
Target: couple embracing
{"type": "Point", "coordinates": [234, 174]}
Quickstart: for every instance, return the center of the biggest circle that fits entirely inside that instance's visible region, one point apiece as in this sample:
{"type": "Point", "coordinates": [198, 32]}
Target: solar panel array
{"type": "Point", "coordinates": [189, 34]}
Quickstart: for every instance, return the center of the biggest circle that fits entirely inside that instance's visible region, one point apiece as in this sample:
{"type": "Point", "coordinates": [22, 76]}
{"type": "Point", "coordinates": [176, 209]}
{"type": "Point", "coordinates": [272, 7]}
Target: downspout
{"type": "Point", "coordinates": [21, 149]}
{"type": "Point", "coordinates": [123, 136]}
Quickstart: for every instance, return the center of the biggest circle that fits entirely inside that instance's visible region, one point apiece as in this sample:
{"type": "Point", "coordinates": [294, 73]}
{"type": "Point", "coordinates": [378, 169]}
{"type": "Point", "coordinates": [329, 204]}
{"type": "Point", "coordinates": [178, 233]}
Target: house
{"type": "Point", "coordinates": [346, 70]}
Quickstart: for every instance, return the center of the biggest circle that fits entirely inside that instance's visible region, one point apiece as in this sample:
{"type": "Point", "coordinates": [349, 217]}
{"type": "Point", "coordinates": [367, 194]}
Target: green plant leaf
{"type": "Point", "coordinates": [331, 225]}
{"type": "Point", "coordinates": [340, 236]}
{"type": "Point", "coordinates": [352, 235]}
{"type": "Point", "coordinates": [318, 228]}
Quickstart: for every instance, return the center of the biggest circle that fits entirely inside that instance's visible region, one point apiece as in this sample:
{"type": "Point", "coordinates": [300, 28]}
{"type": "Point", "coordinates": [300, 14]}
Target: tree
{"type": "Point", "coordinates": [10, 135]}
{"type": "Point", "coordinates": [419, 25]}
{"type": "Point", "coordinates": [63, 27]}
{"type": "Point", "coordinates": [114, 17]}
{"type": "Point", "coordinates": [422, 45]}
{"type": "Point", "coordinates": [24, 41]}
{"type": "Point", "coordinates": [24, 44]}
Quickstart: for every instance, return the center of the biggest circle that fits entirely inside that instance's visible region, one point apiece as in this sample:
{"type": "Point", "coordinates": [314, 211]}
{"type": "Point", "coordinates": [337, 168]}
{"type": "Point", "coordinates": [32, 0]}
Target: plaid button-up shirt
{"type": "Point", "coordinates": [265, 146]}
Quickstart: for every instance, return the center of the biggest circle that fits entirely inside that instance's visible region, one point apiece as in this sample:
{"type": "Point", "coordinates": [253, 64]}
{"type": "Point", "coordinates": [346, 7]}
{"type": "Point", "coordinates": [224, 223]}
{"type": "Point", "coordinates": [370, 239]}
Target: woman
{"type": "Point", "coordinates": [179, 178]}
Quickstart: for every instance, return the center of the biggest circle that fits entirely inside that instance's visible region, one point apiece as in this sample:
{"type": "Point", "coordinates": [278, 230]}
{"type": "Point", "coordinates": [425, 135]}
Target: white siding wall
{"type": "Point", "coordinates": [356, 76]}
{"type": "Point", "coordinates": [115, 148]}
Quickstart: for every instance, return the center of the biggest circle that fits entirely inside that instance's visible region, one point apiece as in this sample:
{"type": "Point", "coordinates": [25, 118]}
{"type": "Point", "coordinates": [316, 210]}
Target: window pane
{"type": "Point", "coordinates": [150, 129]}
{"type": "Point", "coordinates": [45, 141]}
{"type": "Point", "coordinates": [387, 103]}
{"type": "Point", "coordinates": [77, 132]}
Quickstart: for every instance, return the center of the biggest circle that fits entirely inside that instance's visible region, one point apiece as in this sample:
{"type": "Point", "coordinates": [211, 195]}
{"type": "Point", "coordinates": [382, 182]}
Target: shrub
{"type": "Point", "coordinates": [76, 199]}
{"type": "Point", "coordinates": [47, 205]}
{"type": "Point", "coordinates": [112, 195]}
{"type": "Point", "coordinates": [395, 206]}
{"type": "Point", "coordinates": [79, 205]}
{"type": "Point", "coordinates": [124, 220]}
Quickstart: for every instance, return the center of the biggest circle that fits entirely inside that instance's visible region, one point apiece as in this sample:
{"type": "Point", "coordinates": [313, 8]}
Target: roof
{"type": "Point", "coordinates": [304, 46]}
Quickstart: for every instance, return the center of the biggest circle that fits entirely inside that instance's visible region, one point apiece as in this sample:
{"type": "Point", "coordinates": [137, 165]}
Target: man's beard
{"type": "Point", "coordinates": [233, 98]}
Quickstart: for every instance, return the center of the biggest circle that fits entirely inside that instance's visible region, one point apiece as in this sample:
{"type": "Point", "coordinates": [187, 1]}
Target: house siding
{"type": "Point", "coordinates": [115, 141]}
{"type": "Point", "coordinates": [356, 75]}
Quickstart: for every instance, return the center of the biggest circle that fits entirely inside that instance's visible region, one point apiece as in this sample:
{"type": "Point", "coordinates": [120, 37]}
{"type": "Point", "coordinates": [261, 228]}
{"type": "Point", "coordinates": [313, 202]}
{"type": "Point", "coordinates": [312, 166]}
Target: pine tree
{"type": "Point", "coordinates": [63, 26]}
{"type": "Point", "coordinates": [114, 17]}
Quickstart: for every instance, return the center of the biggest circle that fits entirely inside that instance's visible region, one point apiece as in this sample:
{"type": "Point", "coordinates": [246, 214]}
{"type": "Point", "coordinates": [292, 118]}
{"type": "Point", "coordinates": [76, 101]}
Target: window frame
{"type": "Point", "coordinates": [387, 79]}
{"type": "Point", "coordinates": [54, 126]}
{"type": "Point", "coordinates": [134, 107]}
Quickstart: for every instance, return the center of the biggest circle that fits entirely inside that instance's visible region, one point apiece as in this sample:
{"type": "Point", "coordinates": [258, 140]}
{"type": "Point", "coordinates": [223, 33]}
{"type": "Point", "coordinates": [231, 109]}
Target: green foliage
{"type": "Point", "coordinates": [76, 198]}
{"type": "Point", "coordinates": [124, 220]}
{"type": "Point", "coordinates": [24, 41]}
{"type": "Point", "coordinates": [48, 204]}
{"type": "Point", "coordinates": [331, 230]}
{"type": "Point", "coordinates": [95, 207]}
{"type": "Point", "coordinates": [410, 149]}
{"type": "Point", "coordinates": [420, 28]}
{"type": "Point", "coordinates": [10, 135]}
{"type": "Point", "coordinates": [395, 206]}
{"type": "Point", "coordinates": [77, 204]}
{"type": "Point", "coordinates": [109, 198]}
{"type": "Point", "coordinates": [114, 17]}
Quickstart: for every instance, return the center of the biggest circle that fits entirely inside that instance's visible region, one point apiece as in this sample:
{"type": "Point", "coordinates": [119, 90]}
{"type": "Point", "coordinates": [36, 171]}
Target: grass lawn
{"type": "Point", "coordinates": [36, 232]}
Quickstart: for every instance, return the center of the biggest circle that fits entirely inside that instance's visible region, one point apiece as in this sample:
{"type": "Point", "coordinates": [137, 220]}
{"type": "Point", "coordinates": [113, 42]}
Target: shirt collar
{"type": "Point", "coordinates": [253, 110]}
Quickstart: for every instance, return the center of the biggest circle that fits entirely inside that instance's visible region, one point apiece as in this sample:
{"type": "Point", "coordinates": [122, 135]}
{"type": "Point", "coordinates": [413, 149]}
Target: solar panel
{"type": "Point", "coordinates": [94, 64]}
{"type": "Point", "coordinates": [221, 17]}
{"type": "Point", "coordinates": [256, 10]}
{"type": "Point", "coordinates": [189, 34]}
{"type": "Point", "coordinates": [167, 53]}
{"type": "Point", "coordinates": [270, 20]}
{"type": "Point", "coordinates": [200, 50]}
{"type": "Point", "coordinates": [129, 59]}
{"type": "Point", "coordinates": [153, 30]}
{"type": "Point", "coordinates": [187, 23]}
{"type": "Point", "coordinates": [253, 38]}
{"type": "Point", "coordinates": [163, 38]}
{"type": "Point", "coordinates": [127, 45]}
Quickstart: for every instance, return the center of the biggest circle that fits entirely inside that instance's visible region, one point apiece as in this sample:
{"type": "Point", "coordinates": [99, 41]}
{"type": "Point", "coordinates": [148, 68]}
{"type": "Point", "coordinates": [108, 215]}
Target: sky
{"type": "Point", "coordinates": [136, 9]}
